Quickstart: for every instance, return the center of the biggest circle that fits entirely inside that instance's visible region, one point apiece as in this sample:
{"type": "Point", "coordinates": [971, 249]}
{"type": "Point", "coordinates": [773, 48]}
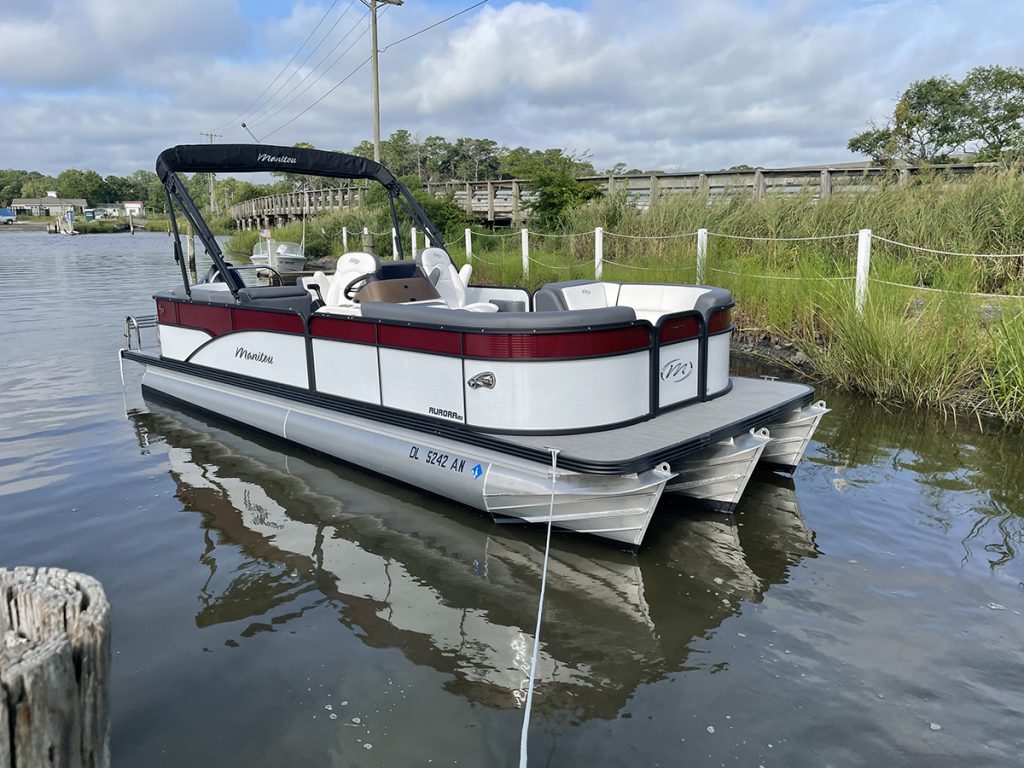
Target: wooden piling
{"type": "Point", "coordinates": [54, 665]}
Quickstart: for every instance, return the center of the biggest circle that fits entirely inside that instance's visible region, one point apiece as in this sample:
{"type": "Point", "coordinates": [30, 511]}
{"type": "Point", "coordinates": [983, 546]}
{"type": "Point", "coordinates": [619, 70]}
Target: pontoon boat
{"type": "Point", "coordinates": [585, 400]}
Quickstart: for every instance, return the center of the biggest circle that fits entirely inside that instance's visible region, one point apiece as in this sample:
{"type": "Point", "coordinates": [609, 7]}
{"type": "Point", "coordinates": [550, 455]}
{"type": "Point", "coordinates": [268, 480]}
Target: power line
{"type": "Point", "coordinates": [278, 75]}
{"type": "Point", "coordinates": [270, 101]}
{"type": "Point", "coordinates": [366, 60]}
{"type": "Point", "coordinates": [332, 90]}
{"type": "Point", "coordinates": [267, 115]}
{"type": "Point", "coordinates": [435, 24]}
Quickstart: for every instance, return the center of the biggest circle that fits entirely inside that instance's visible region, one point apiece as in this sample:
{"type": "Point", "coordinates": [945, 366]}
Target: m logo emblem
{"type": "Point", "coordinates": [674, 371]}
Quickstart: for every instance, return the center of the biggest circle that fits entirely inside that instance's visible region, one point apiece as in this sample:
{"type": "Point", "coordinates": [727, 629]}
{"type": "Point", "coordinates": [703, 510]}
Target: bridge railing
{"type": "Point", "coordinates": [508, 200]}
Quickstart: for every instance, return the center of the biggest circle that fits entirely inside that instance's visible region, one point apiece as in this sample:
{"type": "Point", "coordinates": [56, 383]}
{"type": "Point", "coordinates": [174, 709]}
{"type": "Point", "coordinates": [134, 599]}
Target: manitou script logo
{"type": "Point", "coordinates": [674, 370]}
{"type": "Point", "coordinates": [257, 357]}
{"type": "Point", "coordinates": [265, 158]}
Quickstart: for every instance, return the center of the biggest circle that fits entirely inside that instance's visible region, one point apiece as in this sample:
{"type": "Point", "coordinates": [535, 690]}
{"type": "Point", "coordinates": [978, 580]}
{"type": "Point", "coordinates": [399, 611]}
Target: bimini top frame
{"type": "Point", "coordinates": [258, 158]}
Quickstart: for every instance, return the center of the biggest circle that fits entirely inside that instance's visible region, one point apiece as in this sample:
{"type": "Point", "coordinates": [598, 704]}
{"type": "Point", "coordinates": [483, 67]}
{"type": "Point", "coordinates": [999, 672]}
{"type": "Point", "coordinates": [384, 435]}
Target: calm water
{"type": "Point", "coordinates": [274, 608]}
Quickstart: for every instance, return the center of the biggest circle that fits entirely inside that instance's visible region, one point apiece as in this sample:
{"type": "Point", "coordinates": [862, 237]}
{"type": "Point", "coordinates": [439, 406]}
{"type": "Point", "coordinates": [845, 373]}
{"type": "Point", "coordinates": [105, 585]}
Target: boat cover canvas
{"type": "Point", "coordinates": [255, 158]}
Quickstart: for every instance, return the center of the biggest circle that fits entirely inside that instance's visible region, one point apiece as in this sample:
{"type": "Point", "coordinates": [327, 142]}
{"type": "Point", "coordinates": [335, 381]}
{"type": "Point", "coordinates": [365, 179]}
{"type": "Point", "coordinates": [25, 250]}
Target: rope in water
{"type": "Point", "coordinates": [540, 612]}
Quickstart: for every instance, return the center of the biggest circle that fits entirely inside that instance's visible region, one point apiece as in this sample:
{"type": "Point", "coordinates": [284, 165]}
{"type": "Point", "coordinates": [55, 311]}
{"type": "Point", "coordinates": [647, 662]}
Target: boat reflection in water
{"type": "Point", "coordinates": [454, 592]}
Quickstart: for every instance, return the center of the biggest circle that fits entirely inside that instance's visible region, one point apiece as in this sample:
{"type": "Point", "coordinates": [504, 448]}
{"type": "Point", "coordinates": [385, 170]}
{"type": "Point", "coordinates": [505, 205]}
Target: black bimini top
{"type": "Point", "coordinates": [256, 158]}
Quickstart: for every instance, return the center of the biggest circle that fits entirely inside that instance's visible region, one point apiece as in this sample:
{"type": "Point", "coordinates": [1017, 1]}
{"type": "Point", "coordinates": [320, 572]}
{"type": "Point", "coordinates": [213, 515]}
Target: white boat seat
{"type": "Point", "coordinates": [450, 283]}
{"type": "Point", "coordinates": [320, 279]}
{"type": "Point", "coordinates": [350, 266]}
{"type": "Point", "coordinates": [650, 301]}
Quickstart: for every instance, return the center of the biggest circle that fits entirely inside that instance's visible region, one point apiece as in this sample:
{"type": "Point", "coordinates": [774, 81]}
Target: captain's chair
{"type": "Point", "coordinates": [450, 283]}
{"type": "Point", "coordinates": [354, 270]}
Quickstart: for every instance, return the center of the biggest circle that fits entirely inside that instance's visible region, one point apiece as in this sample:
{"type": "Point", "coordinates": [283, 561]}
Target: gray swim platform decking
{"type": "Point", "coordinates": [752, 403]}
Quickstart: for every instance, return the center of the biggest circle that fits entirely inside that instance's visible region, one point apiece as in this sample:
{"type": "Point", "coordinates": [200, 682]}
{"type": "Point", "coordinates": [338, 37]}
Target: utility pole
{"type": "Point", "coordinates": [372, 5]}
{"type": "Point", "coordinates": [209, 176]}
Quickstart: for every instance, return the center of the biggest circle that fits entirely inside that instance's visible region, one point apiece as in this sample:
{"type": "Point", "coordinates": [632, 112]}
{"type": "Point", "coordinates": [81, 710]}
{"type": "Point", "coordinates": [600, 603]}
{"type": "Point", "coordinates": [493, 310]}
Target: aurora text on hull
{"type": "Point", "coordinates": [406, 368]}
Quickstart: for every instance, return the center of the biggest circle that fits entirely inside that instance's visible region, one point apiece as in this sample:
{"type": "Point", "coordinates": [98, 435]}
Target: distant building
{"type": "Point", "coordinates": [51, 205]}
{"type": "Point", "coordinates": [134, 208]}
{"type": "Point", "coordinates": [108, 211]}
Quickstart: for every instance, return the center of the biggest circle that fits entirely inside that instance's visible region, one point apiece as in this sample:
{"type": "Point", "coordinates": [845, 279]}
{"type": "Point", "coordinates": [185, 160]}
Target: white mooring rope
{"type": "Point", "coordinates": [540, 612]}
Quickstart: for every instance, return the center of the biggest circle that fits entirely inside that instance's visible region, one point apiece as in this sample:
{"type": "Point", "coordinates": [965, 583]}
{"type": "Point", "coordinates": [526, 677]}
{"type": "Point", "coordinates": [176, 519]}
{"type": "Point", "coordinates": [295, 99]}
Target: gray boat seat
{"type": "Point", "coordinates": [450, 283]}
{"type": "Point", "coordinates": [350, 266]}
{"type": "Point", "coordinates": [516, 321]}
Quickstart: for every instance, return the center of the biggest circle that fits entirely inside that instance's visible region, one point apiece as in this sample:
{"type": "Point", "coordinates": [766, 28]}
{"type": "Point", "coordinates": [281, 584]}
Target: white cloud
{"type": "Point", "coordinates": [109, 83]}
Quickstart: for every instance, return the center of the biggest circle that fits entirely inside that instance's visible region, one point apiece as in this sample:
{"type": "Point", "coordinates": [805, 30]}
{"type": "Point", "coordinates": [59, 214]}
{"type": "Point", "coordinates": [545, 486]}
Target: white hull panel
{"type": "Point", "coordinates": [791, 436]}
{"type": "Point", "coordinates": [718, 475]}
{"type": "Point", "coordinates": [506, 487]}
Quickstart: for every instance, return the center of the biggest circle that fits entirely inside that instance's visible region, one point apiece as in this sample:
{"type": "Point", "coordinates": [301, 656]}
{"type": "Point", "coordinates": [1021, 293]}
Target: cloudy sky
{"type": "Point", "coordinates": [674, 85]}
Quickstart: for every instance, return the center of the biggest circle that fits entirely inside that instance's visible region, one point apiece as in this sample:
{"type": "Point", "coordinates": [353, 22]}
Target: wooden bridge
{"type": "Point", "coordinates": [507, 201]}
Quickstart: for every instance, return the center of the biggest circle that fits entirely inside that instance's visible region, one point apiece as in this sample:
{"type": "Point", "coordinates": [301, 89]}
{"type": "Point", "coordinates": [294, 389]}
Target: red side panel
{"type": "Point", "coordinates": [679, 329]}
{"type": "Point", "coordinates": [255, 320]}
{"type": "Point", "coordinates": [214, 320]}
{"type": "Point", "coordinates": [720, 321]}
{"type": "Point", "coordinates": [420, 339]}
{"type": "Point", "coordinates": [521, 346]}
{"type": "Point", "coordinates": [166, 312]}
{"type": "Point", "coordinates": [343, 330]}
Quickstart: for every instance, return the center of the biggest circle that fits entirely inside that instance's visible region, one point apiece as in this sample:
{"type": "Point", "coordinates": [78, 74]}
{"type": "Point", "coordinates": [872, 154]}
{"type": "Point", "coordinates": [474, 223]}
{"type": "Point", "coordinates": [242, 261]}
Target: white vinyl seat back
{"type": "Point", "coordinates": [438, 267]}
{"type": "Point", "coordinates": [450, 283]}
{"type": "Point", "coordinates": [651, 301]}
{"type": "Point", "coordinates": [350, 266]}
{"type": "Point", "coordinates": [319, 279]}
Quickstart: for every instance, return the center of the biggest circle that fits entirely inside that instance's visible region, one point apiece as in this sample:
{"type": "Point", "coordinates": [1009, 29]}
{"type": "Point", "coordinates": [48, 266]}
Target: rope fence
{"type": "Point", "coordinates": [922, 249]}
{"type": "Point", "coordinates": [861, 279]}
{"type": "Point", "coordinates": [781, 239]}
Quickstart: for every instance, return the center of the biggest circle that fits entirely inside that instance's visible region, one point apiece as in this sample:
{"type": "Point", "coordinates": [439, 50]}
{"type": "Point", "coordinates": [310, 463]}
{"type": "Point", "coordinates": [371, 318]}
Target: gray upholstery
{"type": "Point", "coordinates": [519, 321]}
{"type": "Point", "coordinates": [715, 299]}
{"type": "Point", "coordinates": [550, 299]}
{"type": "Point", "coordinates": [292, 297]}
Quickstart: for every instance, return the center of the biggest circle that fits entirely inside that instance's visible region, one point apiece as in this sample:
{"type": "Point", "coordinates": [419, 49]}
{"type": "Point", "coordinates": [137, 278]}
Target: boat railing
{"type": "Point", "coordinates": [136, 324]}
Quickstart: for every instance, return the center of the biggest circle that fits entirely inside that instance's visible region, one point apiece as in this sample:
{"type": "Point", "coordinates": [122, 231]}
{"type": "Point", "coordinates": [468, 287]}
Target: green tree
{"type": "Point", "coordinates": [75, 183]}
{"type": "Point", "coordinates": [936, 119]}
{"type": "Point", "coordinates": [38, 185]}
{"type": "Point", "coordinates": [995, 111]}
{"type": "Point", "coordinates": [553, 178]}
{"type": "Point", "coordinates": [11, 182]}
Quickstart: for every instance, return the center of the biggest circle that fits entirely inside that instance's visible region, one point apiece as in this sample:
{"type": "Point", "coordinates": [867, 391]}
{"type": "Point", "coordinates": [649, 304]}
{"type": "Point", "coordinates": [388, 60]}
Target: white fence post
{"type": "Point", "coordinates": [426, 239]}
{"type": "Point", "coordinates": [344, 238]}
{"type": "Point", "coordinates": [598, 252]}
{"type": "Point", "coordinates": [412, 239]}
{"type": "Point", "coordinates": [863, 267]}
{"type": "Point", "coordinates": [702, 254]}
{"type": "Point", "coordinates": [526, 252]}
{"type": "Point", "coordinates": [394, 243]}
{"type": "Point", "coordinates": [469, 245]}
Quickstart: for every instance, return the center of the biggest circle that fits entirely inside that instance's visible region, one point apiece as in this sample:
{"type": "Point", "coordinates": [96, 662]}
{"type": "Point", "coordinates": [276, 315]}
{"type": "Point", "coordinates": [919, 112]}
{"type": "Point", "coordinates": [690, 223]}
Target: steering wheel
{"type": "Point", "coordinates": [213, 275]}
{"type": "Point", "coordinates": [356, 284]}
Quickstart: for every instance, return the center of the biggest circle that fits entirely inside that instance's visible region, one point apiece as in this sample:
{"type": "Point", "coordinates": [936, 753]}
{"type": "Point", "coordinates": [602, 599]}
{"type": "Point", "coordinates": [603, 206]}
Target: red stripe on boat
{"type": "Point", "coordinates": [420, 339]}
{"type": "Point", "coordinates": [548, 345]}
{"type": "Point", "coordinates": [679, 329]}
{"type": "Point", "coordinates": [216, 321]}
{"type": "Point", "coordinates": [343, 330]}
{"type": "Point", "coordinates": [166, 312]}
{"type": "Point", "coordinates": [255, 320]}
{"type": "Point", "coordinates": [720, 321]}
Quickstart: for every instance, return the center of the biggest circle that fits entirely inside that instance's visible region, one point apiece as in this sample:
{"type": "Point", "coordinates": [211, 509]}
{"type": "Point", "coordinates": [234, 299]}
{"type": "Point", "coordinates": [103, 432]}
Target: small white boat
{"type": "Point", "coordinates": [283, 256]}
{"type": "Point", "coordinates": [581, 403]}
